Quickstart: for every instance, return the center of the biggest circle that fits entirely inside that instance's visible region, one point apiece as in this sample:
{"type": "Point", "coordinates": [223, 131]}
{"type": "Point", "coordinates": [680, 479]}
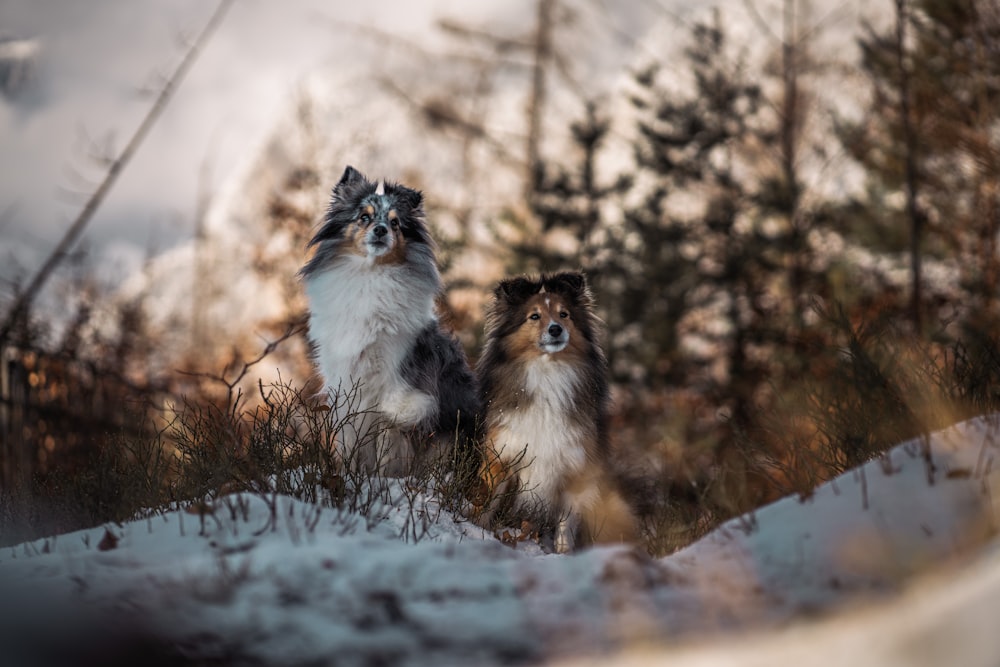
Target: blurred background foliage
{"type": "Point", "coordinates": [762, 336]}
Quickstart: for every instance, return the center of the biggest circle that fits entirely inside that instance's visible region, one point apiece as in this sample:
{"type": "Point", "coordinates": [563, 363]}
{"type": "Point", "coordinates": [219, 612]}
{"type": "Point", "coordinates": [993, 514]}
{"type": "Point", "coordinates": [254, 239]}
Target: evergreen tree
{"type": "Point", "coordinates": [932, 137]}
{"type": "Point", "coordinates": [703, 266]}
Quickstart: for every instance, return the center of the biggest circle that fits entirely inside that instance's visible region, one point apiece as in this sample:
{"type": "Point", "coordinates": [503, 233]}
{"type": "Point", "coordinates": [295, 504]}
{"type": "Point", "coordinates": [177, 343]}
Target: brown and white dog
{"type": "Point", "coordinates": [544, 392]}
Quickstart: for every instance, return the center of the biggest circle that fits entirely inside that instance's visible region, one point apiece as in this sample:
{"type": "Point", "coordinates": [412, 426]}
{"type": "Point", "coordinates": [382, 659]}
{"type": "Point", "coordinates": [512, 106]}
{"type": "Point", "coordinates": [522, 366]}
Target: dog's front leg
{"type": "Point", "coordinates": [566, 532]}
{"type": "Point", "coordinates": [395, 453]}
{"type": "Point", "coordinates": [578, 498]}
{"type": "Point", "coordinates": [494, 479]}
{"type": "Point", "coordinates": [356, 442]}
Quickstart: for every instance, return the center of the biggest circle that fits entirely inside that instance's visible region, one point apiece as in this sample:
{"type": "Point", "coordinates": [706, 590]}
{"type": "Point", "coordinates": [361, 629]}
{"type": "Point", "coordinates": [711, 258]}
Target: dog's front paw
{"type": "Point", "coordinates": [481, 514]}
{"type": "Point", "coordinates": [565, 538]}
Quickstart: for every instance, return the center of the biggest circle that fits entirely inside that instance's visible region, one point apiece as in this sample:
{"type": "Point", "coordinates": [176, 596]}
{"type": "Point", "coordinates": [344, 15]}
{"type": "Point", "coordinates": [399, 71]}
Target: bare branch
{"type": "Point", "coordinates": [23, 301]}
{"type": "Point", "coordinates": [760, 21]}
{"type": "Point", "coordinates": [444, 115]}
{"type": "Point", "coordinates": [293, 329]}
{"type": "Point", "coordinates": [498, 57]}
{"type": "Point", "coordinates": [498, 43]}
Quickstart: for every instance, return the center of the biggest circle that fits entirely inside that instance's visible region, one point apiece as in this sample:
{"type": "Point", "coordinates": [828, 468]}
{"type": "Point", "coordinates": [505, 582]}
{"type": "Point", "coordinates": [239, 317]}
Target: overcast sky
{"type": "Point", "coordinates": [95, 60]}
{"type": "Point", "coordinates": [97, 57]}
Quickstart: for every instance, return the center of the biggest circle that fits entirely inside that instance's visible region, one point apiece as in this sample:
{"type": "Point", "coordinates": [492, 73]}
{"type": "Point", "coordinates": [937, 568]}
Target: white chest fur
{"type": "Point", "coordinates": [542, 428]}
{"type": "Point", "coordinates": [363, 319]}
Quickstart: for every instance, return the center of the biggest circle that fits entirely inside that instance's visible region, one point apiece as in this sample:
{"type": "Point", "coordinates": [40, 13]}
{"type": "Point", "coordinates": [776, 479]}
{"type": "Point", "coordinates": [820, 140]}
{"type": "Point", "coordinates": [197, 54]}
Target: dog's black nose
{"type": "Point", "coordinates": [380, 230]}
{"type": "Point", "coordinates": [555, 330]}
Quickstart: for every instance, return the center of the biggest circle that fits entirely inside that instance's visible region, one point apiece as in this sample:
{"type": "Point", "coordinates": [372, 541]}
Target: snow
{"type": "Point", "coordinates": [870, 564]}
{"type": "Point", "coordinates": [868, 530]}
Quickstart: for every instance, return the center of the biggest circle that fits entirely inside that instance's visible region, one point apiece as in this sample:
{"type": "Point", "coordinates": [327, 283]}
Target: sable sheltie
{"type": "Point", "coordinates": [544, 393]}
{"type": "Point", "coordinates": [371, 287]}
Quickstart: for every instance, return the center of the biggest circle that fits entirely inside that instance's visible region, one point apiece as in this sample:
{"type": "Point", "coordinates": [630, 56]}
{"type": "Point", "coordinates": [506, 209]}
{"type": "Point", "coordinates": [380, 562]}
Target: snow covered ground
{"type": "Point", "coordinates": [896, 562]}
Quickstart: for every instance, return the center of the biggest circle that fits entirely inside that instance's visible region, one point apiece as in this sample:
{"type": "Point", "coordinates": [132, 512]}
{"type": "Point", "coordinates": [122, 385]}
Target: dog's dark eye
{"type": "Point", "coordinates": [563, 314]}
{"type": "Point", "coordinates": [534, 316]}
{"type": "Point", "coordinates": [395, 223]}
{"type": "Point", "coordinates": [365, 218]}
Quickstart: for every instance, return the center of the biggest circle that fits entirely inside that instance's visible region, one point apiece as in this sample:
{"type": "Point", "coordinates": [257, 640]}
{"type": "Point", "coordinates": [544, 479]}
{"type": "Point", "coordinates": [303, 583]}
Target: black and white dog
{"type": "Point", "coordinates": [371, 286]}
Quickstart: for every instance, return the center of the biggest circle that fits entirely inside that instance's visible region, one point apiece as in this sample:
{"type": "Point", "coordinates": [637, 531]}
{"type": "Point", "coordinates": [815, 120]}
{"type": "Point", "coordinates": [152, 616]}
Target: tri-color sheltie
{"type": "Point", "coordinates": [544, 393]}
{"type": "Point", "coordinates": [371, 286]}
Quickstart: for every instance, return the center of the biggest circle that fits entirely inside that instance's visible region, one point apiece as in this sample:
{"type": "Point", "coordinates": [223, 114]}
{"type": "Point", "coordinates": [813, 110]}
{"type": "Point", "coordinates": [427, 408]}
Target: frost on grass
{"type": "Point", "coordinates": [268, 579]}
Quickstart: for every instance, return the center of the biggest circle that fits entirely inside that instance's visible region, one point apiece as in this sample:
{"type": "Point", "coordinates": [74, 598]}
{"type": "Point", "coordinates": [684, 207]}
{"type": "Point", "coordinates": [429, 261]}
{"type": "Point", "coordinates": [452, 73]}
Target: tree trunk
{"type": "Point", "coordinates": [913, 213]}
{"type": "Point", "coordinates": [536, 101]}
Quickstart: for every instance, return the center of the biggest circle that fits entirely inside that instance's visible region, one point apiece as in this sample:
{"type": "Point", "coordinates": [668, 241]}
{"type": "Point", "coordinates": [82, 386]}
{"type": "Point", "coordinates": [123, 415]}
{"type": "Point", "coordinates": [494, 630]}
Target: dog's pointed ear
{"type": "Point", "coordinates": [515, 291]}
{"type": "Point", "coordinates": [569, 283]}
{"type": "Point", "coordinates": [504, 290]}
{"type": "Point", "coordinates": [412, 198]}
{"type": "Point", "coordinates": [350, 177]}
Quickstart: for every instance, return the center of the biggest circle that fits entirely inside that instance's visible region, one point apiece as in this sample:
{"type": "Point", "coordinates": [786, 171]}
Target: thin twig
{"type": "Point", "coordinates": [115, 169]}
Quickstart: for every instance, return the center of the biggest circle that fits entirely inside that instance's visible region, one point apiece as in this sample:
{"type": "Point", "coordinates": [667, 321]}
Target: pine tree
{"type": "Point", "coordinates": [931, 137]}
{"type": "Point", "coordinates": [703, 265]}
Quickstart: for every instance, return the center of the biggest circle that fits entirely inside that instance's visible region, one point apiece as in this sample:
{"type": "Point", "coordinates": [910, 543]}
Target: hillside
{"type": "Point", "coordinates": [895, 562]}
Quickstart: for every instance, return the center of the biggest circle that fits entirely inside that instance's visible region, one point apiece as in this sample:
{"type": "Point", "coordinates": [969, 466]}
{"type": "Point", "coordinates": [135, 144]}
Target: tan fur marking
{"type": "Point", "coordinates": [492, 471]}
{"type": "Point", "coordinates": [608, 519]}
{"type": "Point", "coordinates": [495, 476]}
{"type": "Point", "coordinates": [577, 347]}
{"type": "Point", "coordinates": [398, 253]}
{"type": "Point", "coordinates": [355, 236]}
{"type": "Point", "coordinates": [525, 342]}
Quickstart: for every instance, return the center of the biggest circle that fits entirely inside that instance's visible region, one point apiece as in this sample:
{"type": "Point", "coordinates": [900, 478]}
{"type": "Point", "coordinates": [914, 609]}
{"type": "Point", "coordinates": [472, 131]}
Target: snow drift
{"type": "Point", "coordinates": [267, 579]}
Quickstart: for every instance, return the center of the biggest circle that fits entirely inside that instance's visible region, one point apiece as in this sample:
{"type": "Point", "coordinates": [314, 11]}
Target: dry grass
{"type": "Point", "coordinates": [686, 468]}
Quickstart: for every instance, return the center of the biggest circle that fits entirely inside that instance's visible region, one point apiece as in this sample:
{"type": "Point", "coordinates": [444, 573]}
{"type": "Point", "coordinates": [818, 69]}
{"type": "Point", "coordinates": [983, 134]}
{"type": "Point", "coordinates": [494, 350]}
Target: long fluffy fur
{"type": "Point", "coordinates": [544, 390]}
{"type": "Point", "coordinates": [371, 285]}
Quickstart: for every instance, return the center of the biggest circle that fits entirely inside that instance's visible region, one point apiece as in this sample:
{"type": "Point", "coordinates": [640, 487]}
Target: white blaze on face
{"type": "Point", "coordinates": [380, 190]}
{"type": "Point", "coordinates": [553, 343]}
